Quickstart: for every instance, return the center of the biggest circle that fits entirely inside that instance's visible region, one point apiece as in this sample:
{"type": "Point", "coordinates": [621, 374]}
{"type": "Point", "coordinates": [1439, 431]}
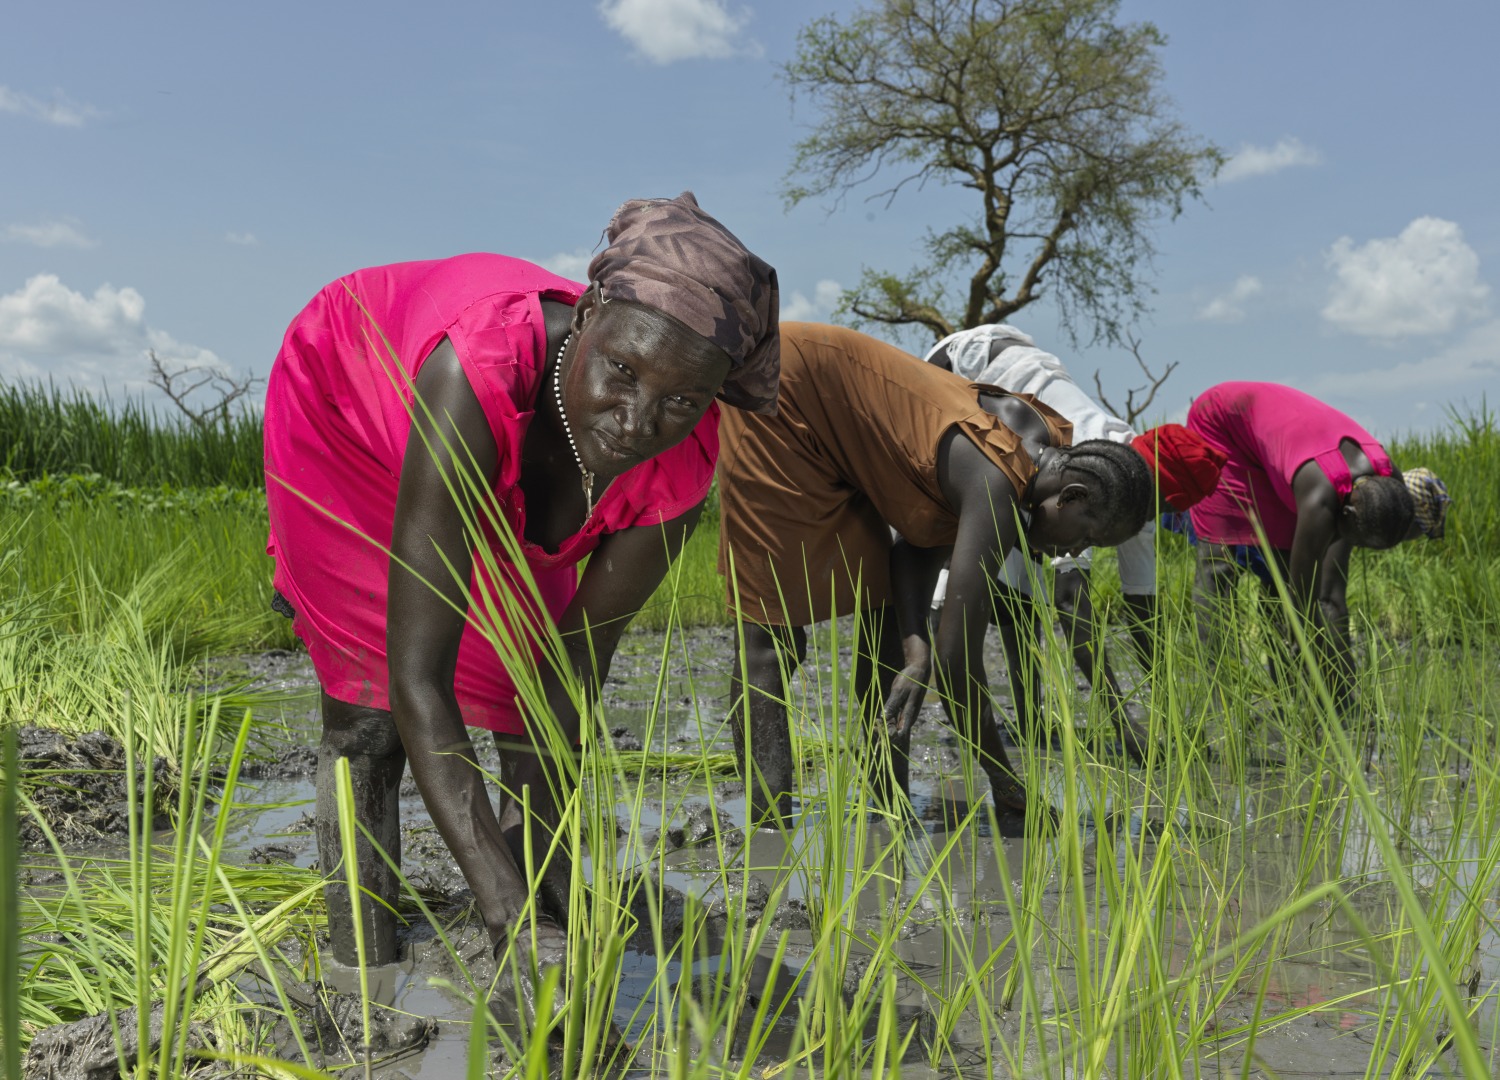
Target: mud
{"type": "Point", "coordinates": [332, 1027]}
{"type": "Point", "coordinates": [85, 1049]}
{"type": "Point", "coordinates": [690, 898]}
{"type": "Point", "coordinates": [79, 786]}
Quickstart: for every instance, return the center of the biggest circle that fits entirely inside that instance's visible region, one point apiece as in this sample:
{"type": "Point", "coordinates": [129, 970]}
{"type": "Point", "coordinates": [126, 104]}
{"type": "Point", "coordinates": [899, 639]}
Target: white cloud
{"type": "Point", "coordinates": [1251, 161]}
{"type": "Point", "coordinates": [48, 328]}
{"type": "Point", "coordinates": [667, 30]}
{"type": "Point", "coordinates": [243, 239]}
{"type": "Point", "coordinates": [1230, 306]}
{"type": "Point", "coordinates": [569, 264]}
{"type": "Point", "coordinates": [798, 308]}
{"type": "Point", "coordinates": [48, 234]}
{"type": "Point", "coordinates": [59, 110]}
{"type": "Point", "coordinates": [1471, 364]}
{"type": "Point", "coordinates": [1420, 282]}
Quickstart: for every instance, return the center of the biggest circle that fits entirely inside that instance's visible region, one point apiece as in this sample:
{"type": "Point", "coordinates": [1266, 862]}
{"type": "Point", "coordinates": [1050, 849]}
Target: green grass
{"type": "Point", "coordinates": [125, 526]}
{"type": "Point", "coordinates": [46, 430]}
{"type": "Point", "coordinates": [1178, 919]}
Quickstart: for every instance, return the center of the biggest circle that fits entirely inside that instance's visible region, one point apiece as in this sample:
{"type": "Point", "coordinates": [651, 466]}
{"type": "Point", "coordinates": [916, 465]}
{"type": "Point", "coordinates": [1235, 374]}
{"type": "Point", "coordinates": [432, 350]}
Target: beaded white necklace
{"type": "Point", "coordinates": [588, 477]}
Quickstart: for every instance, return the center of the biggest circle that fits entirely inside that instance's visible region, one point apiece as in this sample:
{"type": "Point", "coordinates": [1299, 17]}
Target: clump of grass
{"type": "Point", "coordinates": [170, 926]}
{"type": "Point", "coordinates": [51, 430]}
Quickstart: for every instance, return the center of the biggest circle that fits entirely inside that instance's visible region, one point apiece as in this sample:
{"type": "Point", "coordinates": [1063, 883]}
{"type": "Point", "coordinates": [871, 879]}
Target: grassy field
{"type": "Point", "coordinates": [59, 517]}
{"type": "Point", "coordinates": [1187, 918]}
{"type": "Point", "coordinates": [50, 431]}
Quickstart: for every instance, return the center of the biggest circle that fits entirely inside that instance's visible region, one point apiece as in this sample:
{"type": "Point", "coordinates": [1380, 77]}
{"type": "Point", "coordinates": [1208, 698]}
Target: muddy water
{"type": "Point", "coordinates": [1329, 966]}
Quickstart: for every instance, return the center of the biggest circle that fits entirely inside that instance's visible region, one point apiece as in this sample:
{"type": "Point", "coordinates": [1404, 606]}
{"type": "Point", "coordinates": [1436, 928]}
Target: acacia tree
{"type": "Point", "coordinates": [1048, 110]}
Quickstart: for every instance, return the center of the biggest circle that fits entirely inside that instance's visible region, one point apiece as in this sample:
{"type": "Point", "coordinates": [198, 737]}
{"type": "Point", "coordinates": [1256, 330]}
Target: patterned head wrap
{"type": "Point", "coordinates": [1185, 466]}
{"type": "Point", "coordinates": [1431, 496]}
{"type": "Point", "coordinates": [668, 254]}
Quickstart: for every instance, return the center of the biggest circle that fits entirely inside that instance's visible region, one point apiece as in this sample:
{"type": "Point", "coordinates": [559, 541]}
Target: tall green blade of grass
{"type": "Point", "coordinates": [10, 929]}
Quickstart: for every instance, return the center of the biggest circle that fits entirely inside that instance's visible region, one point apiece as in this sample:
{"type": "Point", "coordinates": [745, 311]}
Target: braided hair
{"type": "Point", "coordinates": [1119, 482]}
{"type": "Point", "coordinates": [1384, 510]}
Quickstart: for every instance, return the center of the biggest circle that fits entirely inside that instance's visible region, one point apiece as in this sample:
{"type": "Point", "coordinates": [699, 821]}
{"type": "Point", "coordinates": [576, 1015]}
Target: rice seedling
{"type": "Point", "coordinates": [196, 560]}
{"type": "Point", "coordinates": [157, 941]}
{"type": "Point", "coordinates": [1275, 878]}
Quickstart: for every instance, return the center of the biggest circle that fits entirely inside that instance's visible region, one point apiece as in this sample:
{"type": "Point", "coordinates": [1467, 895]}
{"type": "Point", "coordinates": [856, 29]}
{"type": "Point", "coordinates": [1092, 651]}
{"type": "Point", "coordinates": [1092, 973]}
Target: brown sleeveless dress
{"type": "Point", "coordinates": [808, 497]}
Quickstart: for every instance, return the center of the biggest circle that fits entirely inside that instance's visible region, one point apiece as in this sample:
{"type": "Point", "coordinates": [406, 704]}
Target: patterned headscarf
{"type": "Point", "coordinates": [1431, 496]}
{"type": "Point", "coordinates": [668, 254]}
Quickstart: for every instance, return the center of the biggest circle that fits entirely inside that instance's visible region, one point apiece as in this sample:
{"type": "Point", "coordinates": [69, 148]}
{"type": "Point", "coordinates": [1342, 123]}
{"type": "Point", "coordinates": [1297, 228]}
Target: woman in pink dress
{"type": "Point", "coordinates": [589, 414]}
{"type": "Point", "coordinates": [1317, 484]}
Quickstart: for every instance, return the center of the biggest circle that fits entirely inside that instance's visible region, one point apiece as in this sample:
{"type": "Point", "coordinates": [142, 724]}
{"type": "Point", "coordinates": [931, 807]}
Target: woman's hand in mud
{"type": "Point", "coordinates": [1015, 814]}
{"type": "Point", "coordinates": [904, 702]}
{"type": "Point", "coordinates": [538, 947]}
{"type": "Point", "coordinates": [908, 689]}
{"type": "Point", "coordinates": [523, 959]}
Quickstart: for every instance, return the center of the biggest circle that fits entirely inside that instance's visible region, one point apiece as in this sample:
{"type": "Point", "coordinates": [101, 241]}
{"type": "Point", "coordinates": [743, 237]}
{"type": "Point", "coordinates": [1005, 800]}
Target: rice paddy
{"type": "Point", "coordinates": [1279, 891]}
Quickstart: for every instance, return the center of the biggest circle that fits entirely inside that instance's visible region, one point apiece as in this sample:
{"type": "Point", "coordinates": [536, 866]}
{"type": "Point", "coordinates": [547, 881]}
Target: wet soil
{"type": "Point", "coordinates": [80, 788]}
{"type": "Point", "coordinates": [690, 895]}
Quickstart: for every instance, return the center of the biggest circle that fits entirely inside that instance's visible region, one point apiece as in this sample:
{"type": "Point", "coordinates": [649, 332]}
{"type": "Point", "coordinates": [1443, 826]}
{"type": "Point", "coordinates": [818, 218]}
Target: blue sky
{"type": "Point", "coordinates": [185, 176]}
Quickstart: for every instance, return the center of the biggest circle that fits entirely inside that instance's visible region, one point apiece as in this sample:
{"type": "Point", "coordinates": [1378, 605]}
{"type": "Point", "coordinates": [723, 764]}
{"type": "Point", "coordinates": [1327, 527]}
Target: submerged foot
{"type": "Point", "coordinates": [1014, 811]}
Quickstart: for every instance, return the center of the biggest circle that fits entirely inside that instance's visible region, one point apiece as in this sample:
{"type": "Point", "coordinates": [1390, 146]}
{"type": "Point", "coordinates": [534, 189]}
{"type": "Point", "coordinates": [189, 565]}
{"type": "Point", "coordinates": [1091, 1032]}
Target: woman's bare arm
{"type": "Point", "coordinates": [430, 573]}
{"type": "Point", "coordinates": [986, 505]}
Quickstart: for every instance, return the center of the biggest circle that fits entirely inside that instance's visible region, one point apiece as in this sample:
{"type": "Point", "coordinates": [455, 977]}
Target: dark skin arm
{"type": "Point", "coordinates": [621, 576]}
{"type": "Point", "coordinates": [914, 576]}
{"type": "Point", "coordinates": [1141, 609]}
{"type": "Point", "coordinates": [1316, 532]}
{"type": "Point", "coordinates": [1333, 605]}
{"type": "Point", "coordinates": [1075, 605]}
{"type": "Point", "coordinates": [427, 604]}
{"type": "Point", "coordinates": [985, 502]}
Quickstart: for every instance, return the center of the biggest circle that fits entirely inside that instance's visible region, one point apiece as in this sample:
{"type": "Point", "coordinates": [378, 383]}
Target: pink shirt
{"type": "Point", "coordinates": [336, 428]}
{"type": "Point", "coordinates": [1269, 432]}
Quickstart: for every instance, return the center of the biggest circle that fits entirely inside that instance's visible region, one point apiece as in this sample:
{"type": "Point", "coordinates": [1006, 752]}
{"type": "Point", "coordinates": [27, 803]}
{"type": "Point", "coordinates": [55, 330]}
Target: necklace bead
{"type": "Point", "coordinates": [588, 477]}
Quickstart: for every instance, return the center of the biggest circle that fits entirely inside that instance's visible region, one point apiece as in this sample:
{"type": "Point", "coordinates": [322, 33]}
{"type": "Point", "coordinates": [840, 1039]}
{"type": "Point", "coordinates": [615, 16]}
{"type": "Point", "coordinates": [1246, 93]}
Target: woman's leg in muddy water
{"type": "Point", "coordinates": [367, 738]}
{"type": "Point", "coordinates": [1215, 575]}
{"type": "Point", "coordinates": [877, 660]}
{"type": "Point", "coordinates": [758, 717]}
{"type": "Point", "coordinates": [1017, 620]}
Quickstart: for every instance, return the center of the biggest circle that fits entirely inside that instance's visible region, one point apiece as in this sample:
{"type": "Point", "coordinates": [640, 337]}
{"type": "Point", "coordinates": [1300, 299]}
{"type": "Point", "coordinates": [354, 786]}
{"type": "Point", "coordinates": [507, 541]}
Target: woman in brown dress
{"type": "Point", "coordinates": [868, 440]}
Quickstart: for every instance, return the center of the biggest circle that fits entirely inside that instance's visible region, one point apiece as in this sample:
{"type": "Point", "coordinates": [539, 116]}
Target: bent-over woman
{"type": "Point", "coordinates": [1002, 355]}
{"type": "Point", "coordinates": [589, 414]}
{"type": "Point", "coordinates": [867, 440]}
{"type": "Point", "coordinates": [1318, 484]}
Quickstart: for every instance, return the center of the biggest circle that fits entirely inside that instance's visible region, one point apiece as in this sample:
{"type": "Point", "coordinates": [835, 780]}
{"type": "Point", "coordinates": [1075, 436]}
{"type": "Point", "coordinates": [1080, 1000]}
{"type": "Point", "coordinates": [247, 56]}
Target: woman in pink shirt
{"type": "Point", "coordinates": [1316, 482]}
{"type": "Point", "coordinates": [589, 415]}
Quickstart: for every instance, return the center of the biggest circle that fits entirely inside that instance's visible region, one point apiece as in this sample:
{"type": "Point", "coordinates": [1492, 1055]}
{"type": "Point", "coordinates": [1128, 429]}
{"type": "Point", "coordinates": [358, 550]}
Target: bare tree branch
{"type": "Point", "coordinates": [184, 383]}
{"type": "Point", "coordinates": [1132, 411]}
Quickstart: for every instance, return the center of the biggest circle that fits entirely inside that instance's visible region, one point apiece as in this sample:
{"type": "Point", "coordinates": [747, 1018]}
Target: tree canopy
{"type": "Point", "coordinates": [1050, 111]}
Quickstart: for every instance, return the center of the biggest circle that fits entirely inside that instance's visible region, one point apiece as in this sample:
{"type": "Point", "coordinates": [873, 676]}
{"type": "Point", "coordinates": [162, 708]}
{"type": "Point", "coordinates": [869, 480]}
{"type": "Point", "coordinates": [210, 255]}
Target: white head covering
{"type": "Point", "coordinates": [969, 350]}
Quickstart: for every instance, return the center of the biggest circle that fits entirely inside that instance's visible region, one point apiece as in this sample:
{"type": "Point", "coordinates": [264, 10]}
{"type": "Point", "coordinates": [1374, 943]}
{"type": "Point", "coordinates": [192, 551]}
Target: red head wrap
{"type": "Point", "coordinates": [1186, 467]}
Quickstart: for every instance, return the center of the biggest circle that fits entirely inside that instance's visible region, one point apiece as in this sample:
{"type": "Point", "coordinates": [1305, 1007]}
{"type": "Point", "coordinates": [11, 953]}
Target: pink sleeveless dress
{"type": "Point", "coordinates": [1269, 432]}
{"type": "Point", "coordinates": [336, 427]}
